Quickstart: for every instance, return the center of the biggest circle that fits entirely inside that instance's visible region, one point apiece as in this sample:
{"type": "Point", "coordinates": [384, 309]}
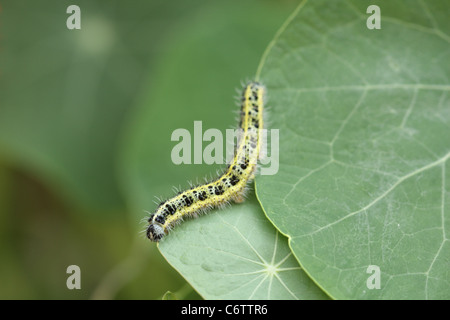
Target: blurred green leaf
{"type": "Point", "coordinates": [64, 96]}
{"type": "Point", "coordinates": [364, 119]}
{"type": "Point", "coordinates": [65, 93]}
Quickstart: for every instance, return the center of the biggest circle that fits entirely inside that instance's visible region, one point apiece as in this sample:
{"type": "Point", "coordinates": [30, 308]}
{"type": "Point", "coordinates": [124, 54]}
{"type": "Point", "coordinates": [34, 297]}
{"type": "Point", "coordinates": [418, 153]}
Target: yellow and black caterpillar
{"type": "Point", "coordinates": [231, 185]}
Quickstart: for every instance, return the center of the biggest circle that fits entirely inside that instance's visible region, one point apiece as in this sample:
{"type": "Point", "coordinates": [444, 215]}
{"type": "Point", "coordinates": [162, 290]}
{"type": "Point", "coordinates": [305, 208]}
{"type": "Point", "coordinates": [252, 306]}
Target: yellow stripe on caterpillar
{"type": "Point", "coordinates": [231, 185]}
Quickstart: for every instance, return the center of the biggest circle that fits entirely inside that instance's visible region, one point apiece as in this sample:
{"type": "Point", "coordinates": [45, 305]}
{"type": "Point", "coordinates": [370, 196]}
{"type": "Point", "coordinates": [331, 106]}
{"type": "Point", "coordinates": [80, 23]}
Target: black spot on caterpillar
{"type": "Point", "coordinates": [231, 185]}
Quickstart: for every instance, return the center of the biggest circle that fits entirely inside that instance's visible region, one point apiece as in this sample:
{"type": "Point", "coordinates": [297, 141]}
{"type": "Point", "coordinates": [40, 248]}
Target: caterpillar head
{"type": "Point", "coordinates": [155, 232]}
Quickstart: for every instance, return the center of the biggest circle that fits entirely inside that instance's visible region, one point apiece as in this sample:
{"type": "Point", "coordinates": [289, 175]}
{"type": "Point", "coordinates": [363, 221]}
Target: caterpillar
{"type": "Point", "coordinates": [232, 184]}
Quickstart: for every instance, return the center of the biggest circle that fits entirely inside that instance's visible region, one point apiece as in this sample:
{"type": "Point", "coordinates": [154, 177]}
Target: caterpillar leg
{"type": "Point", "coordinates": [239, 198]}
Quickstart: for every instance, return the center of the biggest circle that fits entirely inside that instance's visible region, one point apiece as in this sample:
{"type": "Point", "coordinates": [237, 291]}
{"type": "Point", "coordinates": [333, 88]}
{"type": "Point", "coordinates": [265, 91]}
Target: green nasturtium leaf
{"type": "Point", "coordinates": [364, 118]}
{"type": "Point", "coordinates": [236, 253]}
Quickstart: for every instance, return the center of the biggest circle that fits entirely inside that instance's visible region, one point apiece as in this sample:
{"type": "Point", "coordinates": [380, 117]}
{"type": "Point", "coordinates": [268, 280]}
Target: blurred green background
{"type": "Point", "coordinates": [73, 103]}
